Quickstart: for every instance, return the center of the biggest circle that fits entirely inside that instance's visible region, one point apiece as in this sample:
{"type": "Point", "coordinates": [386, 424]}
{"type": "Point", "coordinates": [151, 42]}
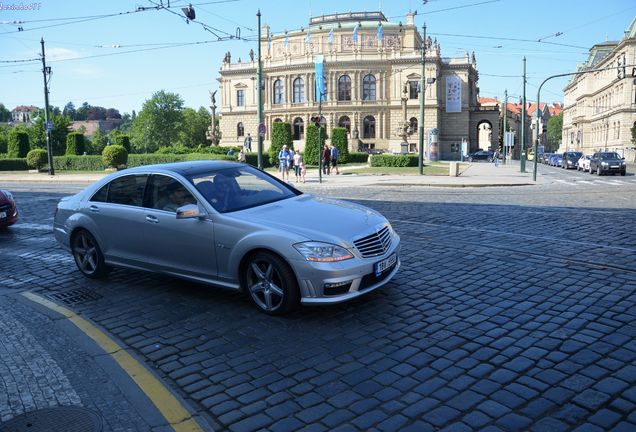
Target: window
{"type": "Point", "coordinates": [344, 88]}
{"type": "Point", "coordinates": [414, 89]}
{"type": "Point", "coordinates": [278, 92]}
{"type": "Point", "coordinates": [166, 193]}
{"type": "Point", "coordinates": [413, 124]}
{"type": "Point", "coordinates": [299, 129]}
{"type": "Point", "coordinates": [368, 88]}
{"type": "Point", "coordinates": [127, 190]}
{"type": "Point", "coordinates": [368, 127]}
{"type": "Point", "coordinates": [240, 98]}
{"type": "Point", "coordinates": [277, 120]}
{"type": "Point", "coordinates": [299, 90]}
{"type": "Point", "coordinates": [240, 130]}
{"type": "Point", "coordinates": [345, 122]}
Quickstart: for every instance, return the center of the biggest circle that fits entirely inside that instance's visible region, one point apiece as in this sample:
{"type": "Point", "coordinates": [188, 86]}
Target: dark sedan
{"type": "Point", "coordinates": [607, 163]}
{"type": "Point", "coordinates": [8, 209]}
{"type": "Point", "coordinates": [571, 159]}
{"type": "Point", "coordinates": [486, 155]}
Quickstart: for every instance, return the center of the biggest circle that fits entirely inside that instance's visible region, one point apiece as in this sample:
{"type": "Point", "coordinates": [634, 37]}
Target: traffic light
{"type": "Point", "coordinates": [544, 128]}
{"type": "Point", "coordinates": [316, 120]}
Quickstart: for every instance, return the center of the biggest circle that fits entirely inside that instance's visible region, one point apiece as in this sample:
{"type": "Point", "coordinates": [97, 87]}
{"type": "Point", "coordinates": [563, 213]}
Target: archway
{"type": "Point", "coordinates": [484, 136]}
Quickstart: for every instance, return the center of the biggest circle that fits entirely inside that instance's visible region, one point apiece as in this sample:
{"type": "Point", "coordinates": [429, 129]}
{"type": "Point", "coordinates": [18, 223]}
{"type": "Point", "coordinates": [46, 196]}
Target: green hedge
{"type": "Point", "coordinates": [340, 141]}
{"type": "Point", "coordinates": [78, 163]}
{"type": "Point", "coordinates": [115, 156]}
{"type": "Point", "coordinates": [313, 148]}
{"type": "Point", "coordinates": [37, 158]}
{"type": "Point", "coordinates": [384, 160]}
{"type": "Point", "coordinates": [75, 144]}
{"type": "Point", "coordinates": [18, 144]}
{"type": "Point", "coordinates": [281, 135]}
{"type": "Point", "coordinates": [358, 157]}
{"type": "Point", "coordinates": [13, 164]}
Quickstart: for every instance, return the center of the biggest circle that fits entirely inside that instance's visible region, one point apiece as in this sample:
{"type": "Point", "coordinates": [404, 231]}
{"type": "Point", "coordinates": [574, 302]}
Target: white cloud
{"type": "Point", "coordinates": [61, 54]}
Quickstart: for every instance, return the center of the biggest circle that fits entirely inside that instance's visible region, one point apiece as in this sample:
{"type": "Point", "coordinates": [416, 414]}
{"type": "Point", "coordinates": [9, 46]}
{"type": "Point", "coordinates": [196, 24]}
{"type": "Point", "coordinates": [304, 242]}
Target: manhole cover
{"type": "Point", "coordinates": [74, 296]}
{"type": "Point", "coordinates": [61, 419]}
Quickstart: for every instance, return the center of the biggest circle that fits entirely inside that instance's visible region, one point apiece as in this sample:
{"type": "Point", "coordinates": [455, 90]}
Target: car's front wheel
{"type": "Point", "coordinates": [598, 170]}
{"type": "Point", "coordinates": [271, 284]}
{"type": "Point", "coordinates": [88, 256]}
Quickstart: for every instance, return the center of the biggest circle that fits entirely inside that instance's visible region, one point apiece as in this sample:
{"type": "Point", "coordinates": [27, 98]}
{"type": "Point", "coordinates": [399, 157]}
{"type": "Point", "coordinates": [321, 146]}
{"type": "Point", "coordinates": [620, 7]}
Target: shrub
{"type": "Point", "coordinates": [13, 164]}
{"type": "Point", "coordinates": [115, 156]}
{"type": "Point", "coordinates": [78, 163]}
{"type": "Point", "coordinates": [18, 144]}
{"type": "Point", "coordinates": [384, 160]}
{"type": "Point", "coordinates": [340, 141]}
{"type": "Point", "coordinates": [176, 149]}
{"type": "Point", "coordinates": [281, 135]}
{"type": "Point", "coordinates": [37, 158]}
{"type": "Point", "coordinates": [123, 140]}
{"type": "Point", "coordinates": [313, 148]}
{"type": "Point", "coordinates": [358, 157]}
{"type": "Point", "coordinates": [75, 144]}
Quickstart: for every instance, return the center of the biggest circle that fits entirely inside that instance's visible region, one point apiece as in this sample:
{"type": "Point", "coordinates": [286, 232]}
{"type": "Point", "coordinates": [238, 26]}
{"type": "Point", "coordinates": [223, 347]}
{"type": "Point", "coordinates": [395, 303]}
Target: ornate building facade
{"type": "Point", "coordinates": [371, 72]}
{"type": "Point", "coordinates": [600, 107]}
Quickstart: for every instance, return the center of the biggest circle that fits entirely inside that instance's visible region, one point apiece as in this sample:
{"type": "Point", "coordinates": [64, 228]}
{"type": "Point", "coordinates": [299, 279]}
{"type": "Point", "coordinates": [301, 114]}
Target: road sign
{"type": "Point", "coordinates": [49, 125]}
{"type": "Point", "coordinates": [262, 129]}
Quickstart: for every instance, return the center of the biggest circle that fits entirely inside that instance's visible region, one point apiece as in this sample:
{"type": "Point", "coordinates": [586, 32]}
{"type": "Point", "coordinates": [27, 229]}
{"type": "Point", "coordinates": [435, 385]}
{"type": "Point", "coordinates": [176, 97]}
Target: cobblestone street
{"type": "Point", "coordinates": [514, 309]}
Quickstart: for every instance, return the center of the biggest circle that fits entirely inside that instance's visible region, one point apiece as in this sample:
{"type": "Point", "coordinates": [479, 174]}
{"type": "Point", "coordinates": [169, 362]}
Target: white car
{"type": "Point", "coordinates": [584, 163]}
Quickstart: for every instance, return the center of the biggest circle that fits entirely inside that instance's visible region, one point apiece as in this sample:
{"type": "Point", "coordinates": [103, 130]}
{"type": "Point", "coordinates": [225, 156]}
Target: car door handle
{"type": "Point", "coordinates": [94, 209]}
{"type": "Point", "coordinates": [152, 219]}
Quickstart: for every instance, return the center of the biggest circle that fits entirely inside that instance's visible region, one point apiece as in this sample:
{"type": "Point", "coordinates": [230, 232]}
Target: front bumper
{"type": "Point", "coordinates": [328, 283]}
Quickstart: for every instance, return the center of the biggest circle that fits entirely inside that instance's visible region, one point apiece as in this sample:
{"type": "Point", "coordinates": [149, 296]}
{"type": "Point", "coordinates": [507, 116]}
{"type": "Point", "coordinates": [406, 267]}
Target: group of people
{"type": "Point", "coordinates": [330, 159]}
{"type": "Point", "coordinates": [288, 159]}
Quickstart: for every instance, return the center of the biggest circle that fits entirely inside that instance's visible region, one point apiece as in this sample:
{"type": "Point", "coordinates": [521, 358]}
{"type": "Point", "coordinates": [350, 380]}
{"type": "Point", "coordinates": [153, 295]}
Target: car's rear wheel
{"type": "Point", "coordinates": [271, 284]}
{"type": "Point", "coordinates": [88, 256]}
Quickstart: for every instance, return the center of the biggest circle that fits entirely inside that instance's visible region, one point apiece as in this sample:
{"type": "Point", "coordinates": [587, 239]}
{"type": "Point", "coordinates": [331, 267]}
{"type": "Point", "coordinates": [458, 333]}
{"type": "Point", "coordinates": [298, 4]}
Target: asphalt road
{"type": "Point", "coordinates": [514, 309]}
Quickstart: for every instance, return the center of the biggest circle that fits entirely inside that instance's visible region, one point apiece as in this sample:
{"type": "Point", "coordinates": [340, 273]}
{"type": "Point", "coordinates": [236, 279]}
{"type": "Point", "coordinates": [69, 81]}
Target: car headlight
{"type": "Point", "coordinates": [604, 164]}
{"type": "Point", "coordinates": [322, 252]}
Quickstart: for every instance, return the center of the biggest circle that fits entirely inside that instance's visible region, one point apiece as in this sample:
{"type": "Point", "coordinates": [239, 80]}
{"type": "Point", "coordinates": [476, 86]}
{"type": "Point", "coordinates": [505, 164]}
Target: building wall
{"type": "Point", "coordinates": [600, 107]}
{"type": "Point", "coordinates": [394, 62]}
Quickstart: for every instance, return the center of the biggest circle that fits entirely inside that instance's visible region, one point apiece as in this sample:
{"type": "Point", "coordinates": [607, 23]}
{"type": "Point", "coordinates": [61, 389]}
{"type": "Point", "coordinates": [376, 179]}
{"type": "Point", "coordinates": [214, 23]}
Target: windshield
{"type": "Point", "coordinates": [238, 188]}
{"type": "Point", "coordinates": [607, 156]}
{"type": "Point", "coordinates": [574, 155]}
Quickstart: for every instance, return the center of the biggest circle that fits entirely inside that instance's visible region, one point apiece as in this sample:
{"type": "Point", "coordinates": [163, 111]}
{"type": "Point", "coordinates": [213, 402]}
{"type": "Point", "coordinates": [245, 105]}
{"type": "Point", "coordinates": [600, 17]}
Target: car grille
{"type": "Point", "coordinates": [5, 207]}
{"type": "Point", "coordinates": [375, 244]}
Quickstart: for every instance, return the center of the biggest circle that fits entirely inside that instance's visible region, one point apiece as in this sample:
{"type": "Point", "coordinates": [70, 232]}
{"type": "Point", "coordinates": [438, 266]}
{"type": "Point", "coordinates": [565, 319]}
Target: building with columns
{"type": "Point", "coordinates": [600, 107]}
{"type": "Point", "coordinates": [372, 73]}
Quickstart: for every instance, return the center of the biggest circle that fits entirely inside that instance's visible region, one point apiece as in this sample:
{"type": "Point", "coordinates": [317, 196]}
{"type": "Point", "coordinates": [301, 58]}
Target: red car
{"type": "Point", "coordinates": [8, 209]}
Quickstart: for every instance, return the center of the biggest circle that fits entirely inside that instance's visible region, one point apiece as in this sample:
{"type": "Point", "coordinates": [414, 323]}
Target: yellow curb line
{"type": "Point", "coordinates": [172, 410]}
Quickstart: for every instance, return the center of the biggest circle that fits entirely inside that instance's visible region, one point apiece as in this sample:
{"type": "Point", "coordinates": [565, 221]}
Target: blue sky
{"type": "Point", "coordinates": [120, 61]}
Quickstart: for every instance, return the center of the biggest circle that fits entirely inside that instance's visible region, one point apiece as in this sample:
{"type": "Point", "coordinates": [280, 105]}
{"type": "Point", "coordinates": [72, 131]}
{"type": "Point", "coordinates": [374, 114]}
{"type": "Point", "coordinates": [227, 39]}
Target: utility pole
{"type": "Point", "coordinates": [49, 148]}
{"type": "Point", "coordinates": [505, 121]}
{"type": "Point", "coordinates": [422, 97]}
{"type": "Point", "coordinates": [259, 79]}
{"type": "Point", "coordinates": [522, 147]}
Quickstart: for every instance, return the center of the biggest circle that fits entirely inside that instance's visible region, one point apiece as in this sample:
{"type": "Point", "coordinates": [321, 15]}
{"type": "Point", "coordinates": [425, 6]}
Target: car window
{"type": "Point", "coordinates": [127, 190]}
{"type": "Point", "coordinates": [167, 193]}
{"type": "Point", "coordinates": [233, 189]}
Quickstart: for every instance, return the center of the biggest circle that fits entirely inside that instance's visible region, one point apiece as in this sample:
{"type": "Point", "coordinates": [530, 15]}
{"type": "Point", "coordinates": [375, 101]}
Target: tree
{"type": "Point", "coordinates": [97, 143]}
{"type": "Point", "coordinates": [195, 125]}
{"type": "Point", "coordinates": [82, 112]}
{"type": "Point", "coordinates": [5, 114]}
{"type": "Point", "coordinates": [158, 123]}
{"type": "Point", "coordinates": [18, 144]}
{"type": "Point", "coordinates": [340, 141]}
{"type": "Point", "coordinates": [555, 129]}
{"type": "Point", "coordinates": [75, 144]}
{"type": "Point", "coordinates": [69, 110]}
{"type": "Point", "coordinates": [4, 138]}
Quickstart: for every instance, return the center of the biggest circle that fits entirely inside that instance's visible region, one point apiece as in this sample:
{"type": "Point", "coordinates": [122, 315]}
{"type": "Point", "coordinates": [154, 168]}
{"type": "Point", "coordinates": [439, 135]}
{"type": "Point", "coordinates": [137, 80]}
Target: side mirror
{"type": "Point", "coordinates": [188, 211]}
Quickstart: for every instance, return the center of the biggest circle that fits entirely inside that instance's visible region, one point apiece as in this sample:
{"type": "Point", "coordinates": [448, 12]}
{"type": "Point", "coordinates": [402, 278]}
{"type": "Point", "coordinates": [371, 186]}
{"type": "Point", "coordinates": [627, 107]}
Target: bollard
{"type": "Point", "coordinates": [453, 169]}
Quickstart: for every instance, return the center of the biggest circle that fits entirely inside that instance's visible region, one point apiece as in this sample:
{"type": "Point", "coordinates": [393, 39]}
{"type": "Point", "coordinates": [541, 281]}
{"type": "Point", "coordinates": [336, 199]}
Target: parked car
{"type": "Point", "coordinates": [545, 158]}
{"type": "Point", "coordinates": [570, 159]}
{"type": "Point", "coordinates": [486, 155]}
{"type": "Point", "coordinates": [8, 209]}
{"type": "Point", "coordinates": [607, 163]}
{"type": "Point", "coordinates": [584, 163]}
{"type": "Point", "coordinates": [230, 225]}
{"type": "Point", "coordinates": [556, 160]}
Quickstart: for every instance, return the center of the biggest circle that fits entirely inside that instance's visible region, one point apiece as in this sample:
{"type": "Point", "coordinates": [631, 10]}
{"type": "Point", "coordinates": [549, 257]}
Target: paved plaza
{"type": "Point", "coordinates": [514, 309]}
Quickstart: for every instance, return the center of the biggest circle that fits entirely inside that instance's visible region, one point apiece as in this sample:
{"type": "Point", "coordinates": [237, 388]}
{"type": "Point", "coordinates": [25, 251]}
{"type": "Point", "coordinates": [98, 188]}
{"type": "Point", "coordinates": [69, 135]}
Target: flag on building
{"type": "Point", "coordinates": [355, 33]}
{"type": "Point", "coordinates": [308, 38]}
{"type": "Point", "coordinates": [286, 38]}
{"type": "Point", "coordinates": [331, 37]}
{"type": "Point", "coordinates": [380, 32]}
{"type": "Point", "coordinates": [320, 79]}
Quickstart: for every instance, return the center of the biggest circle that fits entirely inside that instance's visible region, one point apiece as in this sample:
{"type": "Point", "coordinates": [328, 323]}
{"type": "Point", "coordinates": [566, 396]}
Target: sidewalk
{"type": "Point", "coordinates": [58, 375]}
{"type": "Point", "coordinates": [476, 174]}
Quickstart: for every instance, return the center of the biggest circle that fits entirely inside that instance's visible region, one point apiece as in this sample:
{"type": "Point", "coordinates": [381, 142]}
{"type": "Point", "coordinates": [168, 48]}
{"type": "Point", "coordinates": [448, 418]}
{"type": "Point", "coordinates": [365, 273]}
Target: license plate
{"type": "Point", "coordinates": [3, 215]}
{"type": "Point", "coordinates": [381, 266]}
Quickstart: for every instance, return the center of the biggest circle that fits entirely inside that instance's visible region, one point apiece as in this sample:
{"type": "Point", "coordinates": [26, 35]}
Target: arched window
{"type": "Point", "coordinates": [344, 88]}
{"type": "Point", "coordinates": [299, 90]}
{"type": "Point", "coordinates": [278, 92]}
{"type": "Point", "coordinates": [368, 88]}
{"type": "Point", "coordinates": [413, 124]}
{"type": "Point", "coordinates": [299, 129]}
{"type": "Point", "coordinates": [368, 127]}
{"type": "Point", "coordinates": [277, 120]}
{"type": "Point", "coordinates": [345, 122]}
{"type": "Point", "coordinates": [240, 130]}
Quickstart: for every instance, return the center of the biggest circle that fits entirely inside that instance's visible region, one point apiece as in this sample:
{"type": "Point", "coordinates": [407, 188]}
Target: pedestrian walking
{"type": "Point", "coordinates": [326, 160]}
{"type": "Point", "coordinates": [334, 158]}
{"type": "Point", "coordinates": [247, 144]}
{"type": "Point", "coordinates": [496, 158]}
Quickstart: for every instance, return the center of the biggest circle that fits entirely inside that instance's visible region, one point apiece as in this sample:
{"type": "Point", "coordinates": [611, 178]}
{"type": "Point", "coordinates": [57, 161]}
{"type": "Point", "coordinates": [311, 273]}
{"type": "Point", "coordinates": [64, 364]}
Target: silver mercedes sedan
{"type": "Point", "coordinates": [230, 225]}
